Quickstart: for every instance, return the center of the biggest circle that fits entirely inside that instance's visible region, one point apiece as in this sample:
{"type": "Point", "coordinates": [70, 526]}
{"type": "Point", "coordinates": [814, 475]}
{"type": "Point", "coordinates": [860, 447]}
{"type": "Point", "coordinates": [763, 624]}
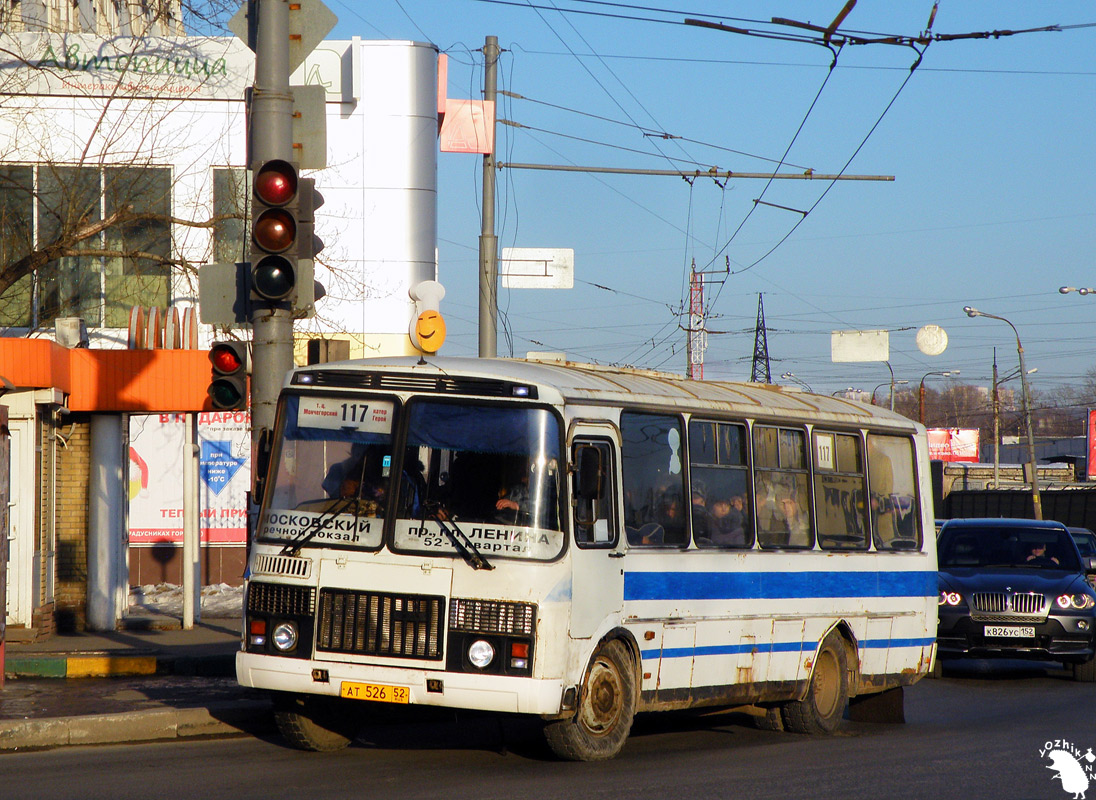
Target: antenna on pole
{"type": "Point", "coordinates": [759, 372]}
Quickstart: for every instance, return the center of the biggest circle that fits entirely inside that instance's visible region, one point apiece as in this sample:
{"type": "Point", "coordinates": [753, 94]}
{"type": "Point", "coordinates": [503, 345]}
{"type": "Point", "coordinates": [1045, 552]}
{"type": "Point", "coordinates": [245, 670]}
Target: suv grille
{"type": "Point", "coordinates": [1018, 603]}
{"type": "Point", "coordinates": [375, 623]}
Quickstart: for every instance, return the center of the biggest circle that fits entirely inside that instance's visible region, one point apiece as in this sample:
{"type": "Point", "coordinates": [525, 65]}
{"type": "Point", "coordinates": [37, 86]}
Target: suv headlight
{"type": "Point", "coordinates": [950, 598]}
{"type": "Point", "coordinates": [1079, 601]}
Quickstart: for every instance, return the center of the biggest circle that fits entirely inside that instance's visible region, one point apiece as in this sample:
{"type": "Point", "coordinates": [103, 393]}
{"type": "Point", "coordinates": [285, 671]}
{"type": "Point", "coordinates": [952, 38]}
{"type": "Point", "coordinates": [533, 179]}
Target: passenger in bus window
{"type": "Point", "coordinates": [727, 527]}
{"type": "Point", "coordinates": [701, 517]}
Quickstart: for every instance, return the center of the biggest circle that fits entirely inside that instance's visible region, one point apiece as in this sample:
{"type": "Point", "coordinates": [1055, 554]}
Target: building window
{"type": "Point", "coordinates": [231, 189]}
{"type": "Point", "coordinates": [104, 274]}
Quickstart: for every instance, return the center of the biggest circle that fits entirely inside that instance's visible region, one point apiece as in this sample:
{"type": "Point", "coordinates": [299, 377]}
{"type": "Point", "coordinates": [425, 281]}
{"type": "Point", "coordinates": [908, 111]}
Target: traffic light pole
{"type": "Point", "coordinates": [270, 136]}
{"type": "Point", "coordinates": [488, 242]}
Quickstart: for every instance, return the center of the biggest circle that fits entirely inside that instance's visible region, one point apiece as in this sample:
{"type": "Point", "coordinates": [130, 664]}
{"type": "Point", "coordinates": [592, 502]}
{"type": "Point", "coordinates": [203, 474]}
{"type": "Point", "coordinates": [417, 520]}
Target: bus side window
{"type": "Point", "coordinates": [594, 501]}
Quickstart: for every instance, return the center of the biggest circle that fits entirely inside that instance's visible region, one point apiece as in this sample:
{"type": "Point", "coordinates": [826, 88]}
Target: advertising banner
{"type": "Point", "coordinates": [1091, 468]}
{"type": "Point", "coordinates": [156, 451]}
{"type": "Point", "coordinates": [953, 444]}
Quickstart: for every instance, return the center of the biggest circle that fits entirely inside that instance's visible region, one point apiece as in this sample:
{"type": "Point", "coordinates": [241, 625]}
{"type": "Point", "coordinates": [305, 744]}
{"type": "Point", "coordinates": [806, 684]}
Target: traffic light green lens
{"type": "Point", "coordinates": [273, 278]}
{"type": "Point", "coordinates": [224, 394]}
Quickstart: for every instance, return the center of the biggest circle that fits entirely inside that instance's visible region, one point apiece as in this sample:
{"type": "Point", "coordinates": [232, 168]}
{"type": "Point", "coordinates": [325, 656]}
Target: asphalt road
{"type": "Point", "coordinates": [976, 733]}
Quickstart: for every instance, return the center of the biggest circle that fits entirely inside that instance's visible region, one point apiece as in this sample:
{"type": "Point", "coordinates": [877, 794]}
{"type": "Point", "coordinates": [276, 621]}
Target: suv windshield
{"type": "Point", "coordinates": [1028, 548]}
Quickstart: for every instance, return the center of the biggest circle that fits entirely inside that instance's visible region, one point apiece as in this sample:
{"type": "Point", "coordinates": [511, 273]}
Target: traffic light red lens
{"type": "Point", "coordinates": [275, 230]}
{"type": "Point", "coordinates": [224, 359]}
{"type": "Point", "coordinates": [276, 183]}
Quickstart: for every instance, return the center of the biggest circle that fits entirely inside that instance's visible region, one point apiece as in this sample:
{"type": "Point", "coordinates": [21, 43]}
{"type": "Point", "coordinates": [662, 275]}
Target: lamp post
{"type": "Point", "coordinates": [1082, 291]}
{"type": "Point", "coordinates": [997, 417]}
{"type": "Point", "coordinates": [892, 383]}
{"type": "Point", "coordinates": [790, 376]}
{"type": "Point", "coordinates": [921, 392]}
{"type": "Point", "coordinates": [1036, 500]}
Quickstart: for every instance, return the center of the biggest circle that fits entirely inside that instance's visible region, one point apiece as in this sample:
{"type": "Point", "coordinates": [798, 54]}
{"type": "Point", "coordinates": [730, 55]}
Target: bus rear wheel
{"type": "Point", "coordinates": [606, 708]}
{"type": "Point", "coordinates": [310, 722]}
{"type": "Point", "coordinates": [822, 710]}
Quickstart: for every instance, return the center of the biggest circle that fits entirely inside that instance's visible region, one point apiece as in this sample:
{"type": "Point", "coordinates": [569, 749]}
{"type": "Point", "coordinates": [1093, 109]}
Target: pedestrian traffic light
{"type": "Point", "coordinates": [274, 233]}
{"type": "Point", "coordinates": [228, 385]}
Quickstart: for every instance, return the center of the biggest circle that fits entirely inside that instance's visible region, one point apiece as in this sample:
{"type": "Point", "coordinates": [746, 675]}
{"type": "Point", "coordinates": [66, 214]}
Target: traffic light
{"type": "Point", "coordinates": [274, 233]}
{"type": "Point", "coordinates": [228, 385]}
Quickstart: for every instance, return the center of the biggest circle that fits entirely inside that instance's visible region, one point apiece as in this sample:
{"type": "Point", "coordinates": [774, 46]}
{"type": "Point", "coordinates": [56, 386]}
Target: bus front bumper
{"type": "Point", "coordinates": [425, 687]}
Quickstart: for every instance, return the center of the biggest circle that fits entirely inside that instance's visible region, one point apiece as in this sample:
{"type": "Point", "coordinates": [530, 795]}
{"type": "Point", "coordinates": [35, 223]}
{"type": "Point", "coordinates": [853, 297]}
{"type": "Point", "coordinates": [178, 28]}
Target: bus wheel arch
{"type": "Point", "coordinates": [605, 706]}
{"type": "Point", "coordinates": [823, 707]}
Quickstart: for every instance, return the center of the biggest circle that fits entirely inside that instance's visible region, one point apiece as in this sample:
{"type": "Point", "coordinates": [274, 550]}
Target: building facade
{"type": "Point", "coordinates": [123, 170]}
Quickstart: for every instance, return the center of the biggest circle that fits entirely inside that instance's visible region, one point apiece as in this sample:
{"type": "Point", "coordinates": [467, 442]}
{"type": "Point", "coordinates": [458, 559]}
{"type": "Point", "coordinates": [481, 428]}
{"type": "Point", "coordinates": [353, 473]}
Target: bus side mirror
{"type": "Point", "coordinates": [262, 464]}
{"type": "Point", "coordinates": [588, 473]}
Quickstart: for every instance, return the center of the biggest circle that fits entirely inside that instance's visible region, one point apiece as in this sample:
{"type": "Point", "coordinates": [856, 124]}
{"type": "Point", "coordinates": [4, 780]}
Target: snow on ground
{"type": "Point", "coordinates": [218, 600]}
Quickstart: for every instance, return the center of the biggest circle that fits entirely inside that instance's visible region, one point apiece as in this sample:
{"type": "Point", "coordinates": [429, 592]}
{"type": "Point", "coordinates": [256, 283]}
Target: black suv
{"type": "Point", "coordinates": [1015, 588]}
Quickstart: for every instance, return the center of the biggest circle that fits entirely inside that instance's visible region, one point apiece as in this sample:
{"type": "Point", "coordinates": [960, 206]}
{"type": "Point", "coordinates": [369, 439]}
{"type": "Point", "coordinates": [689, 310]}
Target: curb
{"type": "Point", "coordinates": [218, 719]}
{"type": "Point", "coordinates": [105, 665]}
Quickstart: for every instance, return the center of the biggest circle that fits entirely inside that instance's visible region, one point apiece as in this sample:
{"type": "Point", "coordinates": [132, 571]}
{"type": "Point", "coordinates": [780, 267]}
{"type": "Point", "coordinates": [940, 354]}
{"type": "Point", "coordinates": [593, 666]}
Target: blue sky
{"type": "Point", "coordinates": [989, 141]}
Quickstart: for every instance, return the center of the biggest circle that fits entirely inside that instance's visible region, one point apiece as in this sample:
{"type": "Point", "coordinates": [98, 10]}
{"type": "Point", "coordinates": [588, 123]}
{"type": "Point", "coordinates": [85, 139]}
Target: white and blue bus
{"type": "Point", "coordinates": [582, 543]}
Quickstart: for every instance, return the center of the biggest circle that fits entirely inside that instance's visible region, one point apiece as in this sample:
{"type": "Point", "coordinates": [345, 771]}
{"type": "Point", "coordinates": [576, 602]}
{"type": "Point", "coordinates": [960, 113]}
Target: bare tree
{"type": "Point", "coordinates": [91, 220]}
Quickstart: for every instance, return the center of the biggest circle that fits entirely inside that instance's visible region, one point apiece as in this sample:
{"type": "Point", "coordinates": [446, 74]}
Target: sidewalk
{"type": "Point", "coordinates": [151, 681]}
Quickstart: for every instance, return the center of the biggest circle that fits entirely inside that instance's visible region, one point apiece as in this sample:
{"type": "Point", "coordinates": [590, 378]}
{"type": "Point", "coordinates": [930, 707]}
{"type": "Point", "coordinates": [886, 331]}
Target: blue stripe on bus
{"type": "Point", "coordinates": [773, 647]}
{"type": "Point", "coordinates": [776, 585]}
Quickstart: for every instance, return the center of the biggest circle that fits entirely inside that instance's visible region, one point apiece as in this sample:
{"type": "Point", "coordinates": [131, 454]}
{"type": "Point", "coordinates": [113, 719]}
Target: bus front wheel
{"type": "Point", "coordinates": [310, 722]}
{"type": "Point", "coordinates": [822, 710]}
{"type": "Point", "coordinates": [606, 709]}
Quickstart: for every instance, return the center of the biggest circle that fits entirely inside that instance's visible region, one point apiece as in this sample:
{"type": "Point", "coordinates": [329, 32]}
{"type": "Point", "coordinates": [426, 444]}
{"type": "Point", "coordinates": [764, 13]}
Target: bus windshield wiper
{"type": "Point", "coordinates": [463, 545]}
{"type": "Point", "coordinates": [318, 524]}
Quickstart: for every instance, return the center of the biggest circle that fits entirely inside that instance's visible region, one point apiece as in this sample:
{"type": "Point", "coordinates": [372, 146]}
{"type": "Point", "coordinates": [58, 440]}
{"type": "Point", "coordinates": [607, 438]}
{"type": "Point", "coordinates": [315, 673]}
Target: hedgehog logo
{"type": "Point", "coordinates": [1070, 772]}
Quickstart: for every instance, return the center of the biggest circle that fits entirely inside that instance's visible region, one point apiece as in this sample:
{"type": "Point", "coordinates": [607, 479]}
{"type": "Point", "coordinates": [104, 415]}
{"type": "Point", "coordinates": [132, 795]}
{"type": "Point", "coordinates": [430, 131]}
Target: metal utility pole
{"type": "Point", "coordinates": [996, 426]}
{"type": "Point", "coordinates": [697, 342]}
{"type": "Point", "coordinates": [488, 242]}
{"type": "Point", "coordinates": [759, 370]}
{"type": "Point", "coordinates": [271, 136]}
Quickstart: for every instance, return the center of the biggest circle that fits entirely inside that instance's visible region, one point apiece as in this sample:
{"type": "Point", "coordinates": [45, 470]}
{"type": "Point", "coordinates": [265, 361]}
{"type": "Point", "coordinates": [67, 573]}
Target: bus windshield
{"type": "Point", "coordinates": [491, 472]}
{"type": "Point", "coordinates": [331, 481]}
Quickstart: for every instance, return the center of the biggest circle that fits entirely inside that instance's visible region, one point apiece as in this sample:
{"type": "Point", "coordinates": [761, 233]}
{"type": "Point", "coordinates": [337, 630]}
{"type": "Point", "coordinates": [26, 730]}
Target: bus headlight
{"type": "Point", "coordinates": [285, 636]}
{"type": "Point", "coordinates": [480, 653]}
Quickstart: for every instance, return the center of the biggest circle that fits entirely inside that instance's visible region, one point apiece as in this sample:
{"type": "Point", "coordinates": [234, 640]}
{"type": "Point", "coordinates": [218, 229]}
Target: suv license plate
{"type": "Point", "coordinates": [1011, 631]}
{"type": "Point", "coordinates": [377, 692]}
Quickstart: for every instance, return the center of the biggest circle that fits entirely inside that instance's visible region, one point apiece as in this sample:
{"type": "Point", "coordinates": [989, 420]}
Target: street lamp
{"type": "Point", "coordinates": [790, 376]}
{"type": "Point", "coordinates": [1082, 291]}
{"type": "Point", "coordinates": [997, 416]}
{"type": "Point", "coordinates": [1036, 500]}
{"type": "Point", "coordinates": [921, 392]}
{"type": "Point", "coordinates": [892, 383]}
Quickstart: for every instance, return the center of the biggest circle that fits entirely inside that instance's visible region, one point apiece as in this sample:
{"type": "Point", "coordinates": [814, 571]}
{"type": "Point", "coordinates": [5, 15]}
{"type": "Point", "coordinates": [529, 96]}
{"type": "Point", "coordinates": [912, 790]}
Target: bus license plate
{"type": "Point", "coordinates": [376, 692]}
{"type": "Point", "coordinates": [1011, 631]}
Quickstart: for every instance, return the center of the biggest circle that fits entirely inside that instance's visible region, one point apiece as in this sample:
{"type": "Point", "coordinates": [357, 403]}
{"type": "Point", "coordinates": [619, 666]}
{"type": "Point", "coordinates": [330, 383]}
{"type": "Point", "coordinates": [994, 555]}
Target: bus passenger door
{"type": "Point", "coordinates": [597, 564]}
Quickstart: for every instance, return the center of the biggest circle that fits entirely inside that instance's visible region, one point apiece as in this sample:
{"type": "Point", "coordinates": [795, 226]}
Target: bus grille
{"type": "Point", "coordinates": [401, 381]}
{"type": "Point", "coordinates": [492, 616]}
{"type": "Point", "coordinates": [1018, 603]}
{"type": "Point", "coordinates": [294, 567]}
{"type": "Point", "coordinates": [375, 623]}
{"type": "Point", "coordinates": [281, 600]}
